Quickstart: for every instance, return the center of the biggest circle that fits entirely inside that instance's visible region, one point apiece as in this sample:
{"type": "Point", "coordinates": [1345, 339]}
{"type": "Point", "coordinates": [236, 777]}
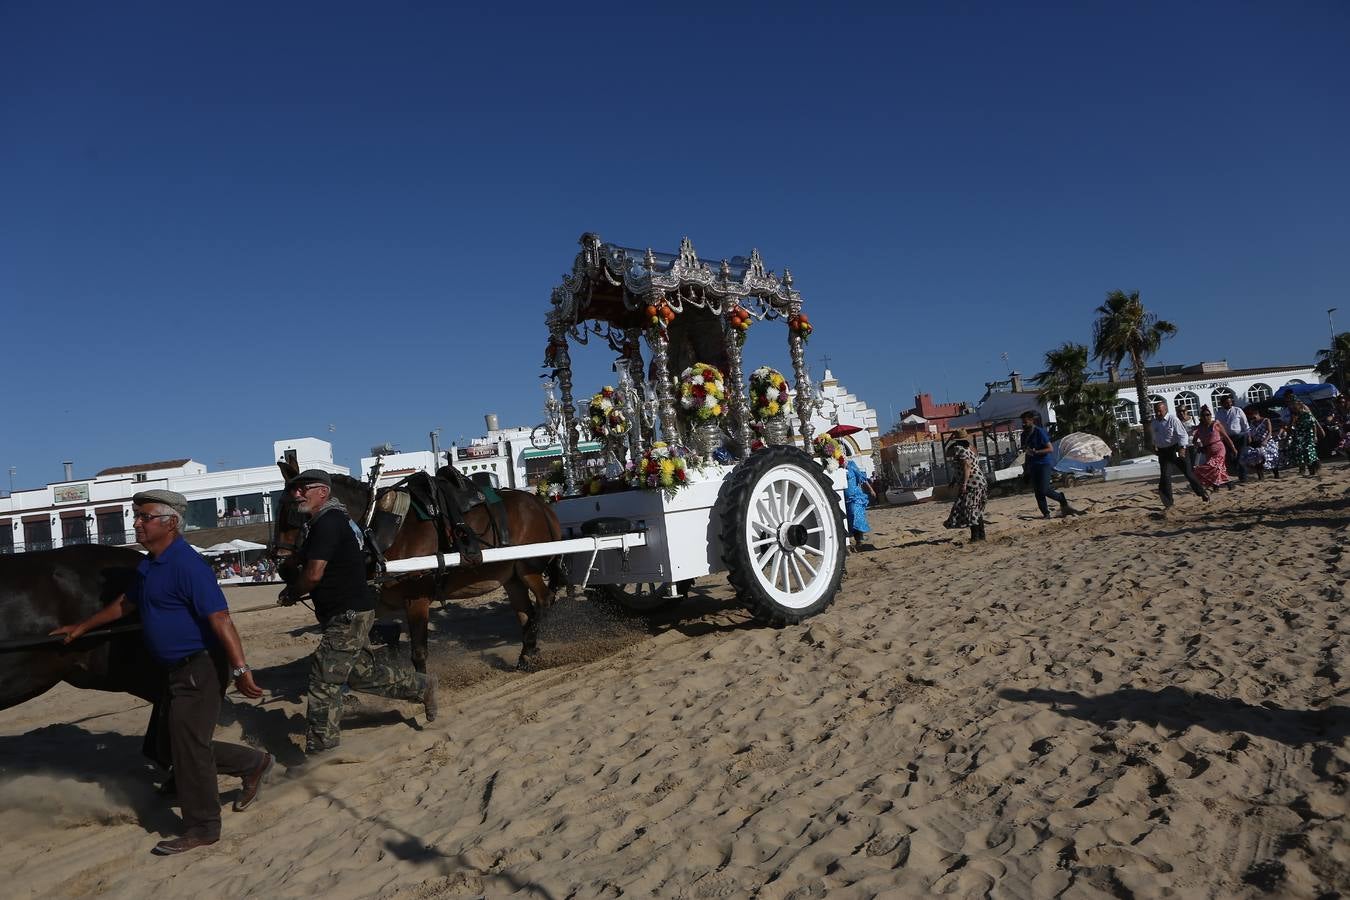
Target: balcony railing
{"type": "Point", "coordinates": [231, 521]}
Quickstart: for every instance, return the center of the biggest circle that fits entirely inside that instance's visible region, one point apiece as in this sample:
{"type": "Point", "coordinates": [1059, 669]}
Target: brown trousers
{"type": "Point", "coordinates": [180, 732]}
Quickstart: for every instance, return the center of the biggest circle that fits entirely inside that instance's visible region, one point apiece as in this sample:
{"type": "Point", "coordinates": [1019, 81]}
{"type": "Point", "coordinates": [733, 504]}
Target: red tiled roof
{"type": "Point", "coordinates": [144, 467]}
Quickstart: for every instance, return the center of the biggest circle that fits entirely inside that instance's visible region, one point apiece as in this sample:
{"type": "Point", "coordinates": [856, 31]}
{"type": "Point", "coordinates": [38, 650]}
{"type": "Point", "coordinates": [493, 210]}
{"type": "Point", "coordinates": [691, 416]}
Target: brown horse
{"type": "Point", "coordinates": [530, 520]}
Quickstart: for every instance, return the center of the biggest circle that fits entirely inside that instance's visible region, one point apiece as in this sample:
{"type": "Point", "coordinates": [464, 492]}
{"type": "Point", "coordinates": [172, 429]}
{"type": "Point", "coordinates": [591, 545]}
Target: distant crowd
{"type": "Point", "coordinates": [262, 570]}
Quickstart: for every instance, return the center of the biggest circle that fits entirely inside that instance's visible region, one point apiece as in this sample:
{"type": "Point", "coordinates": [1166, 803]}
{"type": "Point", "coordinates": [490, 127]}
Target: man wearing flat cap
{"type": "Point", "coordinates": [333, 573]}
{"type": "Point", "coordinates": [187, 629]}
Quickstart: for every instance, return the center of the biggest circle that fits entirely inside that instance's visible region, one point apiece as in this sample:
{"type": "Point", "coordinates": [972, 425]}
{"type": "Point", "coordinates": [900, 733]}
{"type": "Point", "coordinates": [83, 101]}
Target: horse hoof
{"type": "Point", "coordinates": [526, 662]}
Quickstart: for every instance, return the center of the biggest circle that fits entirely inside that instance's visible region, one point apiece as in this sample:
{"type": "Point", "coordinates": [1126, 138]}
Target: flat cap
{"type": "Point", "coordinates": [171, 499]}
{"type": "Point", "coordinates": [312, 476]}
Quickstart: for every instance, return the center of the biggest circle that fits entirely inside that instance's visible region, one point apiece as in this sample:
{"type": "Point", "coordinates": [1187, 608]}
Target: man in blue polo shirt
{"type": "Point", "coordinates": [1040, 454]}
{"type": "Point", "coordinates": [187, 628]}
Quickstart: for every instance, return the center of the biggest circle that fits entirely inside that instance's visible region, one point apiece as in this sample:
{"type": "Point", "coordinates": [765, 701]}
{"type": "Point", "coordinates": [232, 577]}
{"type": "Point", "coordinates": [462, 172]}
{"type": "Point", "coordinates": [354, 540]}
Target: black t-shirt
{"type": "Point", "coordinates": [343, 585]}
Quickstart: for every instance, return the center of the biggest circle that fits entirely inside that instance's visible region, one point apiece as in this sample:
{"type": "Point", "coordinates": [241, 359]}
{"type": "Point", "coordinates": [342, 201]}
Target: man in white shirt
{"type": "Point", "coordinates": [1169, 443]}
{"type": "Point", "coordinates": [1235, 420]}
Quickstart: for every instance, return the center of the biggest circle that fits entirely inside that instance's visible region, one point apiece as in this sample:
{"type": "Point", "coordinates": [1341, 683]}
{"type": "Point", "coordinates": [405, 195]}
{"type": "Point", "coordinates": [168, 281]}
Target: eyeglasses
{"type": "Point", "coordinates": [146, 517]}
{"type": "Point", "coordinates": [305, 488]}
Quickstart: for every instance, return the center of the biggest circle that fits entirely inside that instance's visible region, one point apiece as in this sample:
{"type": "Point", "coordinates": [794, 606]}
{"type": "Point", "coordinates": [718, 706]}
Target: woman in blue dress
{"type": "Point", "coordinates": [856, 496]}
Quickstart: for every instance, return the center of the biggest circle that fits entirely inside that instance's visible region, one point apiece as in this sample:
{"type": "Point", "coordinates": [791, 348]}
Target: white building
{"type": "Point", "coordinates": [1204, 384]}
{"type": "Point", "coordinates": [98, 510]}
{"type": "Point", "coordinates": [507, 455]}
{"type": "Point", "coordinates": [844, 408]}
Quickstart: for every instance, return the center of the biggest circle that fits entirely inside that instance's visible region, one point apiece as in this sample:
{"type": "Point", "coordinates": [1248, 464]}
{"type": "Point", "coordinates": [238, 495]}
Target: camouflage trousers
{"type": "Point", "coordinates": [344, 659]}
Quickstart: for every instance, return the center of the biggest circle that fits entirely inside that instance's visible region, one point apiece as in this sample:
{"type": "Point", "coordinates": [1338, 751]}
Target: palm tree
{"type": "Point", "coordinates": [1334, 362]}
{"type": "Point", "coordinates": [1124, 328]}
{"type": "Point", "coordinates": [1080, 405]}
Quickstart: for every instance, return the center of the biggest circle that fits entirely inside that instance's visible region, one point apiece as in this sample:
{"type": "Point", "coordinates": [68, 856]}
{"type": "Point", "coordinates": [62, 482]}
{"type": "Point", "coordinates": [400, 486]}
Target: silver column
{"type": "Point", "coordinates": [805, 401]}
{"type": "Point", "coordinates": [740, 407]}
{"type": "Point", "coordinates": [665, 399]}
{"type": "Point", "coordinates": [567, 430]}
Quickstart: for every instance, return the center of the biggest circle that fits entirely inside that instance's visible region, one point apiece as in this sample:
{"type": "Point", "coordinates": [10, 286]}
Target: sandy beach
{"type": "Point", "coordinates": [1127, 704]}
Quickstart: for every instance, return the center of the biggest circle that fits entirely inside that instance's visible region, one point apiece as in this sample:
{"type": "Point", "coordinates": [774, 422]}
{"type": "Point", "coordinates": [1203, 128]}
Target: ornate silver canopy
{"type": "Point", "coordinates": [608, 294]}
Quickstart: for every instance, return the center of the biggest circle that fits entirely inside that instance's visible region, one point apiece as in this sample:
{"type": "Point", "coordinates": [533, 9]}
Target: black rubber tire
{"type": "Point", "coordinates": [733, 505]}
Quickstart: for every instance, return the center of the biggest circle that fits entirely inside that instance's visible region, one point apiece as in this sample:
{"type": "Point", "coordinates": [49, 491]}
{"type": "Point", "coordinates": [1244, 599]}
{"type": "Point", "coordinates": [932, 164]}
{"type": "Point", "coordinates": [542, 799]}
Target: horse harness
{"type": "Point", "coordinates": [444, 499]}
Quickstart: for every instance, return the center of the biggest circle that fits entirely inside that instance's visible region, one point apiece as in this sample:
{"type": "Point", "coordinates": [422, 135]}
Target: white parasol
{"type": "Point", "coordinates": [1083, 447]}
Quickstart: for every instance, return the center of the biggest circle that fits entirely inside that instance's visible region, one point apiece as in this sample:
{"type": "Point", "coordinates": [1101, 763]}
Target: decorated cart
{"type": "Point", "coordinates": [698, 475]}
{"type": "Point", "coordinates": [705, 470]}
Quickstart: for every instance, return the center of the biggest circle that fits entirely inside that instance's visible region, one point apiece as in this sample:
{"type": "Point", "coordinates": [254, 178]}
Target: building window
{"type": "Point", "coordinates": [74, 530]}
{"type": "Point", "coordinates": [200, 514]}
{"type": "Point", "coordinates": [1258, 393]}
{"type": "Point", "coordinates": [139, 476]}
{"type": "Point", "coordinates": [37, 535]}
{"type": "Point", "coordinates": [6, 537]}
{"type": "Point", "coordinates": [111, 529]}
{"type": "Point", "coordinates": [1188, 402]}
{"type": "Point", "coordinates": [1154, 400]}
{"type": "Point", "coordinates": [1127, 413]}
{"type": "Point", "coordinates": [1219, 393]}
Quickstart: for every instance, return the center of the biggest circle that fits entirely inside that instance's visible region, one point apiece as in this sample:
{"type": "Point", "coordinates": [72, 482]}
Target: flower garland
{"type": "Point", "coordinates": [606, 415]}
{"type": "Point", "coordinates": [769, 395]}
{"type": "Point", "coordinates": [740, 320]}
{"type": "Point", "coordinates": [659, 316]}
{"type": "Point", "coordinates": [801, 325]}
{"type": "Point", "coordinates": [663, 467]}
{"type": "Point", "coordinates": [550, 487]}
{"type": "Point", "coordinates": [553, 352]}
{"type": "Point", "coordinates": [703, 393]}
{"type": "Point", "coordinates": [830, 452]}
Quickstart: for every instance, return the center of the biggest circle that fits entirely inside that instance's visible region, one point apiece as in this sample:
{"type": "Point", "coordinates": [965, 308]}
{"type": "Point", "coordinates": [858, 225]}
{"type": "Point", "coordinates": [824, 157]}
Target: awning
{"type": "Point", "coordinates": [583, 447]}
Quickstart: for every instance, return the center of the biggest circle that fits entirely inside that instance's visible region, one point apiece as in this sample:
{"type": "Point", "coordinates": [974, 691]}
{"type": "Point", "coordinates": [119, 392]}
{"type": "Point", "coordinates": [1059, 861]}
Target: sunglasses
{"type": "Point", "coordinates": [146, 517]}
{"type": "Point", "coordinates": [305, 488]}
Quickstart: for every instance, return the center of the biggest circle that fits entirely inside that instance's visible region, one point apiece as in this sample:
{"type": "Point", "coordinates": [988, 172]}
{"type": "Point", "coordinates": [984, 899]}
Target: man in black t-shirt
{"type": "Point", "coordinates": [334, 574]}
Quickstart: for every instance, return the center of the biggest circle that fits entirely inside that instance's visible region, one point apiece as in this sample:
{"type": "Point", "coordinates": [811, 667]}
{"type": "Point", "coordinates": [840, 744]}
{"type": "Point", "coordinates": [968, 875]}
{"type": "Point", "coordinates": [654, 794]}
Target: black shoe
{"type": "Point", "coordinates": [181, 845]}
{"type": "Point", "coordinates": [253, 783]}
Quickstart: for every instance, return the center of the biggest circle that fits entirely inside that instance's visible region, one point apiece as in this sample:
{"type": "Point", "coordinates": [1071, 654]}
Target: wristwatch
{"type": "Point", "coordinates": [239, 670]}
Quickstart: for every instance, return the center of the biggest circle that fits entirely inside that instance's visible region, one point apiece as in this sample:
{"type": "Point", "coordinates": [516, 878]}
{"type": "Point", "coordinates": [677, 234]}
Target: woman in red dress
{"type": "Point", "coordinates": [1213, 441]}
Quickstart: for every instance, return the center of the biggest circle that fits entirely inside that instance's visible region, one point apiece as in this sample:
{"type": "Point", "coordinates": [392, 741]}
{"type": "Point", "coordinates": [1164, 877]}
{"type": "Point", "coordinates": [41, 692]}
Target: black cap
{"type": "Point", "coordinates": [312, 476]}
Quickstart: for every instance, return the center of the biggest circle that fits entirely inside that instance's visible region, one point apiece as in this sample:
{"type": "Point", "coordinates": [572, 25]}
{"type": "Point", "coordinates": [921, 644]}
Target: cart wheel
{"type": "Point", "coordinates": [782, 535]}
{"type": "Point", "coordinates": [646, 597]}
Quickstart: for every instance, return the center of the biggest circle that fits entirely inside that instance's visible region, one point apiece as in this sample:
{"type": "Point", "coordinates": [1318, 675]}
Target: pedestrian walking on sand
{"type": "Point", "coordinates": [333, 573]}
{"type": "Point", "coordinates": [187, 629]}
{"type": "Point", "coordinates": [1234, 421]}
{"type": "Point", "coordinates": [972, 491]}
{"type": "Point", "coordinates": [1213, 439]}
{"type": "Point", "coordinates": [1263, 445]}
{"type": "Point", "coordinates": [1169, 444]}
{"type": "Point", "coordinates": [1303, 444]}
{"type": "Point", "coordinates": [1040, 456]}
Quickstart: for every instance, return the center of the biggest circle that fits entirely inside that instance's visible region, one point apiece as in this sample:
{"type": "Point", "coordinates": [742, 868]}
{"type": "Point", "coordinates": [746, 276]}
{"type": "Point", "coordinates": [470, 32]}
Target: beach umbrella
{"type": "Point", "coordinates": [841, 430]}
{"type": "Point", "coordinates": [217, 549]}
{"type": "Point", "coordinates": [1083, 447]}
{"type": "Point", "coordinates": [241, 544]}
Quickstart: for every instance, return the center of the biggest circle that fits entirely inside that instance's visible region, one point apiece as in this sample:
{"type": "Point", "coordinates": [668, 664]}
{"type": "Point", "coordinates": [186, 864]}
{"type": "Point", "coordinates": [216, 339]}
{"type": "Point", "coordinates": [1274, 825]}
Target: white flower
{"type": "Point", "coordinates": [710, 401]}
{"type": "Point", "coordinates": [697, 379]}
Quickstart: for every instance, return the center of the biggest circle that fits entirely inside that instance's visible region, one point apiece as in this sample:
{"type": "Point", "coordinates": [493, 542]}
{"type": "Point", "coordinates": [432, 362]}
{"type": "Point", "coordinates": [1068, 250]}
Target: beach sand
{"type": "Point", "coordinates": [1127, 704]}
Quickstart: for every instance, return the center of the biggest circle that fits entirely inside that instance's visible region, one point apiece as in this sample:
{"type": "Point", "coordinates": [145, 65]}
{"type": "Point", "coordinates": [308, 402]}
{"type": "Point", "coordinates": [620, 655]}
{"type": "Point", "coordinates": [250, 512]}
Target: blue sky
{"type": "Point", "coordinates": [222, 224]}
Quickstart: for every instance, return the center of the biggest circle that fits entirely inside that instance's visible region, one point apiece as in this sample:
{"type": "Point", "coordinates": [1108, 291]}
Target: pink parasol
{"type": "Point", "coordinates": [841, 430]}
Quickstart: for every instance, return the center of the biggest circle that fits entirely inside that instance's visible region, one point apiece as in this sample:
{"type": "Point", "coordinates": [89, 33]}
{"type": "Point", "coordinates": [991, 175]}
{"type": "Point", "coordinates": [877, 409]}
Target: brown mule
{"type": "Point", "coordinates": [530, 583]}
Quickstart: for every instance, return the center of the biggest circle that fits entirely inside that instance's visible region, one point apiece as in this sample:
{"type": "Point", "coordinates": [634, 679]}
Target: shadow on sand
{"type": "Point", "coordinates": [1177, 709]}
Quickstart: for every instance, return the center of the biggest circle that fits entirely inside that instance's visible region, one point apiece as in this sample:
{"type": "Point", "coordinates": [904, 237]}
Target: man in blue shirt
{"type": "Point", "coordinates": [1040, 463]}
{"type": "Point", "coordinates": [187, 628]}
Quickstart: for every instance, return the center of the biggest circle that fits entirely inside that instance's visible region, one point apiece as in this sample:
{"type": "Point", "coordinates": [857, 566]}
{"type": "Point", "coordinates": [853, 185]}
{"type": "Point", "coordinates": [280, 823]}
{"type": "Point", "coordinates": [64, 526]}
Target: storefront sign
{"type": "Point", "coordinates": [71, 493]}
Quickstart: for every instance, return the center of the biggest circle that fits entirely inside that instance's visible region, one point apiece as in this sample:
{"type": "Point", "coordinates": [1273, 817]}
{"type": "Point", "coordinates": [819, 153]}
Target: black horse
{"type": "Point", "coordinates": [42, 590]}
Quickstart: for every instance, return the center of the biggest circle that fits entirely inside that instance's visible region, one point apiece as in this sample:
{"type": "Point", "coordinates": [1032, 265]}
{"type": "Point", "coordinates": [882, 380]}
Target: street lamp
{"type": "Point", "coordinates": [13, 470]}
